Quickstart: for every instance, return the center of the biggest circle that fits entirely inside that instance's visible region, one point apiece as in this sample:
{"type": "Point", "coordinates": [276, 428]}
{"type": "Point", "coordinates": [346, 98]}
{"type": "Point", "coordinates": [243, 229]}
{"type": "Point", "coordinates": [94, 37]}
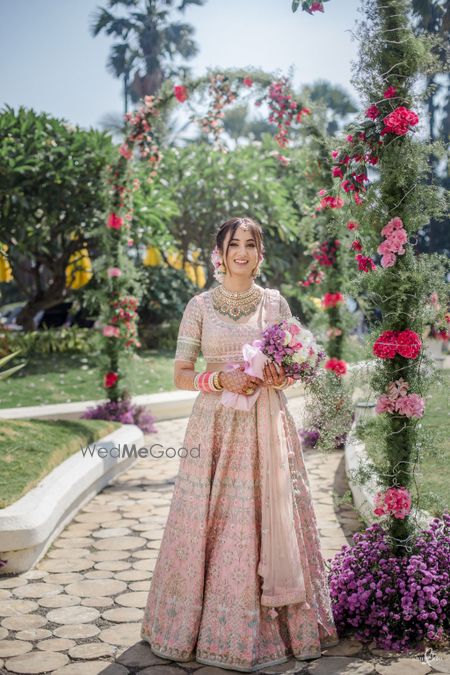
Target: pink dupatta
{"type": "Point", "coordinates": [280, 563]}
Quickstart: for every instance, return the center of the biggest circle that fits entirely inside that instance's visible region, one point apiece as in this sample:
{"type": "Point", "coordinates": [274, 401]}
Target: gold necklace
{"type": "Point", "coordinates": [236, 304]}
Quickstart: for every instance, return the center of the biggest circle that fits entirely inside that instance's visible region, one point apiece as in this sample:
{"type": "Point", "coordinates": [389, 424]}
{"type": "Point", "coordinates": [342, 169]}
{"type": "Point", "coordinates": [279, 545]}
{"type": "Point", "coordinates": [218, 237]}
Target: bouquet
{"type": "Point", "coordinates": [286, 343]}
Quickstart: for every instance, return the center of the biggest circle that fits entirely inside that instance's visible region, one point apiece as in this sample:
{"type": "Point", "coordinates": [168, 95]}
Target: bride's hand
{"type": "Point", "coordinates": [237, 381]}
{"type": "Point", "coordinates": [273, 374]}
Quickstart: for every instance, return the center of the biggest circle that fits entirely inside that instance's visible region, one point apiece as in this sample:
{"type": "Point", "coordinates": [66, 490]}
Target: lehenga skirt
{"type": "Point", "coordinates": [204, 601]}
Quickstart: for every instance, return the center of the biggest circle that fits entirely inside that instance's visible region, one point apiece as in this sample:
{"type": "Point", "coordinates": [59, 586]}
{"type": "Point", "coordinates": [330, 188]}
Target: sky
{"type": "Point", "coordinates": [50, 62]}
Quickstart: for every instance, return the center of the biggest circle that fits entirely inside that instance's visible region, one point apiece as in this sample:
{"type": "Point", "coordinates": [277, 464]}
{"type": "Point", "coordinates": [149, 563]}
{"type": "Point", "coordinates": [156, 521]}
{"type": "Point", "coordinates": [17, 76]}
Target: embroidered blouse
{"type": "Point", "coordinates": [220, 339]}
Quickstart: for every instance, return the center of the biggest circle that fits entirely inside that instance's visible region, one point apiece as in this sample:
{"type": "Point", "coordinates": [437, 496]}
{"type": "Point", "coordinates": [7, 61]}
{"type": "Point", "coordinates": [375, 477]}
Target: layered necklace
{"type": "Point", "coordinates": [236, 304]}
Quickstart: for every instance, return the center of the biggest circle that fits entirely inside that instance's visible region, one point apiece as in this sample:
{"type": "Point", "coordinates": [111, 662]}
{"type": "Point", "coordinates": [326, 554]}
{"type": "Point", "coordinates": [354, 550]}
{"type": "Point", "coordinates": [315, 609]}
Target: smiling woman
{"type": "Point", "coordinates": [223, 568]}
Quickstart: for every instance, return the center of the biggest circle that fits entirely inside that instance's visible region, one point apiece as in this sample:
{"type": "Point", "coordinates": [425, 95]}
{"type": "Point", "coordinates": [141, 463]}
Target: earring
{"type": "Point", "coordinates": [222, 268]}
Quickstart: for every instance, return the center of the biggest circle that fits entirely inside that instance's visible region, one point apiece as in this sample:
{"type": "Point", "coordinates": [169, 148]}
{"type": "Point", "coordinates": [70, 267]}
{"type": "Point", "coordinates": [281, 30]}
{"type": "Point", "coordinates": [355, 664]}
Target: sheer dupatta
{"type": "Point", "coordinates": [280, 563]}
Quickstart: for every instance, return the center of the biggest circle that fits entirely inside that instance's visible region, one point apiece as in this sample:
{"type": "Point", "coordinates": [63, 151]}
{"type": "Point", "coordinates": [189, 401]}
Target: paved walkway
{"type": "Point", "coordinates": [79, 611]}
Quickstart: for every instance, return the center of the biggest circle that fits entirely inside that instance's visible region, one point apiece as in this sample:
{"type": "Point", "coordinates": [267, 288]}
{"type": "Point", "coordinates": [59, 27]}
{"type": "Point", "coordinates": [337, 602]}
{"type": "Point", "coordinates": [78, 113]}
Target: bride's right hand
{"type": "Point", "coordinates": [237, 381]}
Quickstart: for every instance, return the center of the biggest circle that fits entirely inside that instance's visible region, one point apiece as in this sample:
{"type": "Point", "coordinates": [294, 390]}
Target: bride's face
{"type": "Point", "coordinates": [242, 248]}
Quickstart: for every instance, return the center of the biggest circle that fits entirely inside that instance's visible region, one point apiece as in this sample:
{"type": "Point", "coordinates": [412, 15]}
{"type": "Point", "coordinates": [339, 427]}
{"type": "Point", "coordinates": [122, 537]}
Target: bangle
{"type": "Point", "coordinates": [216, 384]}
{"type": "Point", "coordinates": [195, 382]}
{"type": "Point", "coordinates": [204, 381]}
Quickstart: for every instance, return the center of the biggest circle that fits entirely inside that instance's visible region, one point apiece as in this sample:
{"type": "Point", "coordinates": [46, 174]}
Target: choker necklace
{"type": "Point", "coordinates": [236, 304]}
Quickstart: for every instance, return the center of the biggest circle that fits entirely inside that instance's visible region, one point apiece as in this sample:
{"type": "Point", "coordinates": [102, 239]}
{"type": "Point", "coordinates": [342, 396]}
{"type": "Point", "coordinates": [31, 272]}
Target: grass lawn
{"type": "Point", "coordinates": [433, 471]}
{"type": "Point", "coordinates": [30, 449]}
{"type": "Point", "coordinates": [62, 378]}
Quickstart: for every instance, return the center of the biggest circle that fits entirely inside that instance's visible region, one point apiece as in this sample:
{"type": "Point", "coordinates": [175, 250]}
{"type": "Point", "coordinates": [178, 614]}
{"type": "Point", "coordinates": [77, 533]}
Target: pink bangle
{"type": "Point", "coordinates": [204, 381]}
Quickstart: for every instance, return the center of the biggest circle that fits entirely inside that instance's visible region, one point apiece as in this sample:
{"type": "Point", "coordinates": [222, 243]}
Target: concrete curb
{"type": "Point", "coordinates": [29, 526]}
{"type": "Point", "coordinates": [165, 406]}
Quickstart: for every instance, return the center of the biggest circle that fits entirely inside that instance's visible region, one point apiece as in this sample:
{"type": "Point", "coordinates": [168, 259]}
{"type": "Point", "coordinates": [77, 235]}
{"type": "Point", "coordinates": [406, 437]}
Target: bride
{"type": "Point", "coordinates": [222, 592]}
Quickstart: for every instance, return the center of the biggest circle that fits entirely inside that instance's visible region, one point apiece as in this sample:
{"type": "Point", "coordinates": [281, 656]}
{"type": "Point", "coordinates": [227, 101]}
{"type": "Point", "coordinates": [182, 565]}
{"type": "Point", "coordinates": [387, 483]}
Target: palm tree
{"type": "Point", "coordinates": [148, 41]}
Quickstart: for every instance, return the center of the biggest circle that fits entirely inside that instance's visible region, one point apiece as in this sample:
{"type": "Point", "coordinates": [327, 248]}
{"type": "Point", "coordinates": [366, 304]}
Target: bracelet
{"type": "Point", "coordinates": [216, 384]}
{"type": "Point", "coordinates": [208, 381]}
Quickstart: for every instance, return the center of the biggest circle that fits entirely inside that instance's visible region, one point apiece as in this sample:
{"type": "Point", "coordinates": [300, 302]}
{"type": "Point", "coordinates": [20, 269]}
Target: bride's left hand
{"type": "Point", "coordinates": [273, 375]}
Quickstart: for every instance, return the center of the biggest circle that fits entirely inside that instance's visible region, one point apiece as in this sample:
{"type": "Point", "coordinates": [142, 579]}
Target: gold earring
{"type": "Point", "coordinates": [222, 268]}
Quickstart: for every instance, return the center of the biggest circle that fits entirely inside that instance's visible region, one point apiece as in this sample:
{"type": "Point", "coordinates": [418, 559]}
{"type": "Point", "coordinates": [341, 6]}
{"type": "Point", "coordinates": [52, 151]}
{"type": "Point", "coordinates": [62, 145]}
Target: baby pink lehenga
{"type": "Point", "coordinates": [204, 601]}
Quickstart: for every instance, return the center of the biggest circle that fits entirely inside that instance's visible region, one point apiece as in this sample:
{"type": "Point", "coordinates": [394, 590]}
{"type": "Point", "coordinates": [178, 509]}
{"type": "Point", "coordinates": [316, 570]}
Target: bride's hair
{"type": "Point", "coordinates": [232, 224]}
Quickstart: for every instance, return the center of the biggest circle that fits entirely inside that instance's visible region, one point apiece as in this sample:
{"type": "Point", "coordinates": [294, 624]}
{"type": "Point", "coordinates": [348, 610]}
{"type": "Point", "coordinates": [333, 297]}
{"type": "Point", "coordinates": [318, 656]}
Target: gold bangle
{"type": "Point", "coordinates": [216, 384]}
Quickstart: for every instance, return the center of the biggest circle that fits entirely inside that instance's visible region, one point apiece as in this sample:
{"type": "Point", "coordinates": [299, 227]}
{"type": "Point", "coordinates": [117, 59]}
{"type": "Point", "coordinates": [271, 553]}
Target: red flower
{"type": "Point", "coordinates": [347, 185]}
{"type": "Point", "coordinates": [399, 121]}
{"type": "Point", "coordinates": [110, 379]}
{"type": "Point", "coordinates": [385, 346]}
{"type": "Point", "coordinates": [352, 225]}
{"type": "Point", "coordinates": [337, 365]}
{"type": "Point", "coordinates": [390, 92]}
{"type": "Point", "coordinates": [372, 112]}
{"type": "Point", "coordinates": [332, 202]}
{"type": "Point", "coordinates": [332, 299]}
{"type": "Point", "coordinates": [180, 92]}
{"type": "Point", "coordinates": [365, 264]}
{"type": "Point", "coordinates": [408, 344]}
{"type": "Point", "coordinates": [356, 245]}
{"type": "Point", "coordinates": [115, 222]}
{"type": "Point", "coordinates": [247, 81]}
{"type": "Point", "coordinates": [337, 172]}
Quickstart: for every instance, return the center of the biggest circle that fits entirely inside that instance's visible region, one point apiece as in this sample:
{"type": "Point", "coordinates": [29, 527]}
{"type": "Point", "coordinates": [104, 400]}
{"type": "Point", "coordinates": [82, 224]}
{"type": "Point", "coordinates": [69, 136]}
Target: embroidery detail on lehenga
{"type": "Point", "coordinates": [204, 598]}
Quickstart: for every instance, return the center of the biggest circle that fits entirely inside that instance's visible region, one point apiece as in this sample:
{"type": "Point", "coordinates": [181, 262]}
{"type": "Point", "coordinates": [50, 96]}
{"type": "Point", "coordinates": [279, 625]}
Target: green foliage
{"type": "Point", "coordinates": [52, 197]}
{"type": "Point", "coordinates": [4, 374]}
{"type": "Point", "coordinates": [54, 340]}
{"type": "Point", "coordinates": [210, 186]}
{"type": "Point", "coordinates": [391, 55]}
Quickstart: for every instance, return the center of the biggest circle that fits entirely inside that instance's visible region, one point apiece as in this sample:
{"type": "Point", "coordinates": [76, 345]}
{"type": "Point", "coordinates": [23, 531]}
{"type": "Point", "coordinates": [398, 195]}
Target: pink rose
{"type": "Point", "coordinates": [114, 272]}
{"type": "Point", "coordinates": [111, 331]}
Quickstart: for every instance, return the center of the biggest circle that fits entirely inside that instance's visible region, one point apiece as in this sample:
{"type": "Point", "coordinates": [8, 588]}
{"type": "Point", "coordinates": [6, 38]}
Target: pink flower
{"type": "Point", "coordinates": [247, 81]}
{"type": "Point", "coordinates": [411, 405]}
{"type": "Point", "coordinates": [337, 172]}
{"type": "Point", "coordinates": [390, 92]}
{"type": "Point", "coordinates": [111, 331]}
{"type": "Point", "coordinates": [356, 245]}
{"type": "Point", "coordinates": [332, 202]}
{"type": "Point", "coordinates": [335, 154]}
{"type": "Point", "coordinates": [114, 272]}
{"type": "Point", "coordinates": [115, 222]}
{"type": "Point", "coordinates": [397, 388]}
{"type": "Point", "coordinates": [372, 112]}
{"type": "Point", "coordinates": [126, 151]}
{"type": "Point", "coordinates": [394, 224]}
{"type": "Point", "coordinates": [180, 93]}
{"type": "Point", "coordinates": [395, 501]}
{"type": "Point", "coordinates": [385, 404]}
{"type": "Point", "coordinates": [396, 241]}
{"type": "Point", "coordinates": [283, 160]}
{"type": "Point", "coordinates": [388, 259]}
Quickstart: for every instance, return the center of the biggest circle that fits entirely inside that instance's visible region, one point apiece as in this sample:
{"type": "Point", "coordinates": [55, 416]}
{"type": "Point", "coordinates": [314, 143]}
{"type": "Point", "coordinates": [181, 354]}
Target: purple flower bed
{"type": "Point", "coordinates": [123, 411]}
{"type": "Point", "coordinates": [396, 601]}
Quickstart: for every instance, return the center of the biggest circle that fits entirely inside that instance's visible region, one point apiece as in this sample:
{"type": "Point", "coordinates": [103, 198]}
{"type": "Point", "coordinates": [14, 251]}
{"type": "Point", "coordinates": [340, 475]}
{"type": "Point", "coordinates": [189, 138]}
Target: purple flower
{"type": "Point", "coordinates": [123, 411]}
{"type": "Point", "coordinates": [391, 599]}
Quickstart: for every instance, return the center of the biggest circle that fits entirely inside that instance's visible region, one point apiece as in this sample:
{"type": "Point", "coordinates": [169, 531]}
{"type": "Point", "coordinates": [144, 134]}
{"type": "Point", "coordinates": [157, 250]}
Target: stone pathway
{"type": "Point", "coordinates": [79, 611]}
